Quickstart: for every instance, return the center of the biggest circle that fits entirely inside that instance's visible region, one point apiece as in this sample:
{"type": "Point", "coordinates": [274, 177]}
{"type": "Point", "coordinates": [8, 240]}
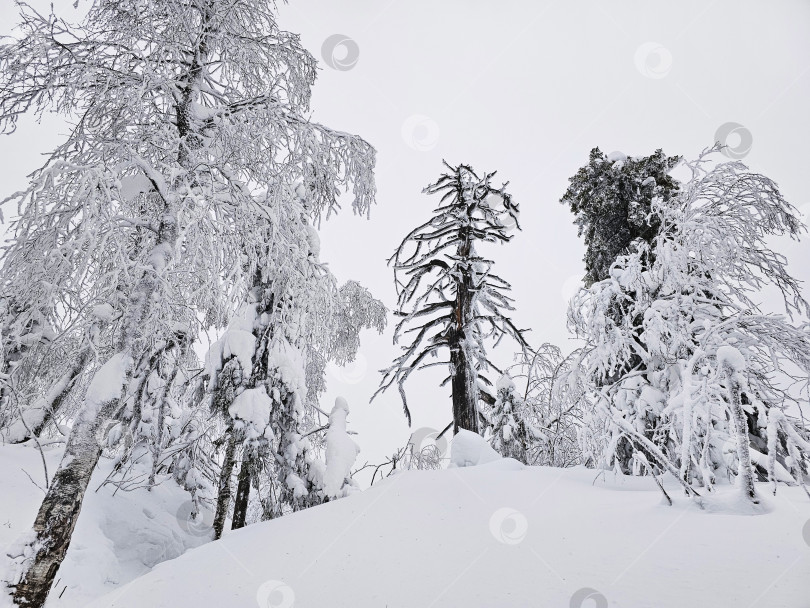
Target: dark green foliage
{"type": "Point", "coordinates": [611, 201]}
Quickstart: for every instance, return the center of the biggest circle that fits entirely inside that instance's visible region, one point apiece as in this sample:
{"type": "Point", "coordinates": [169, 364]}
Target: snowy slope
{"type": "Point", "coordinates": [497, 535]}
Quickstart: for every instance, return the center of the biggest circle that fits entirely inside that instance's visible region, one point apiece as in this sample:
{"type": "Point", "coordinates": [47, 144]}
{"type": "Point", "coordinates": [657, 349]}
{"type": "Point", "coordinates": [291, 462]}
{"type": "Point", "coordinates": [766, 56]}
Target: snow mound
{"type": "Point", "coordinates": [481, 536]}
{"type": "Point", "coordinates": [470, 449]}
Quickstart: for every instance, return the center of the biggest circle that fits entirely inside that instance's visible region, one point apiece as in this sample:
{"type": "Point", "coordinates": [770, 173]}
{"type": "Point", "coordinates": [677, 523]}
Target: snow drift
{"type": "Point", "coordinates": [486, 532]}
{"type": "Point", "coordinates": [499, 535]}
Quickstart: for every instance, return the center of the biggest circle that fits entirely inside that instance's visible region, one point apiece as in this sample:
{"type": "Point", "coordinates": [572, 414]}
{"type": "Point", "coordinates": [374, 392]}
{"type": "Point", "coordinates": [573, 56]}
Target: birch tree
{"type": "Point", "coordinates": [180, 113]}
{"type": "Point", "coordinates": [275, 352]}
{"type": "Point", "coordinates": [553, 398]}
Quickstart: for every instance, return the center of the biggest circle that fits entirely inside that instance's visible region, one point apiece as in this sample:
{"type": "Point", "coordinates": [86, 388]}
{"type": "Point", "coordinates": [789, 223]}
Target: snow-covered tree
{"type": "Point", "coordinates": [611, 199]}
{"type": "Point", "coordinates": [341, 452]}
{"type": "Point", "coordinates": [510, 431]}
{"type": "Point", "coordinates": [181, 114]}
{"type": "Point", "coordinates": [538, 409]}
{"type": "Point", "coordinates": [277, 348]}
{"type": "Point", "coordinates": [448, 297]}
{"type": "Point", "coordinates": [553, 402]}
{"type": "Point", "coordinates": [708, 394]}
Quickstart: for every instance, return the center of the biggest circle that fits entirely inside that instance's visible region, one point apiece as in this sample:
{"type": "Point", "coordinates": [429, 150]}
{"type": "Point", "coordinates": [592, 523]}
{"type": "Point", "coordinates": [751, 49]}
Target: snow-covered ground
{"type": "Point", "coordinates": [493, 535]}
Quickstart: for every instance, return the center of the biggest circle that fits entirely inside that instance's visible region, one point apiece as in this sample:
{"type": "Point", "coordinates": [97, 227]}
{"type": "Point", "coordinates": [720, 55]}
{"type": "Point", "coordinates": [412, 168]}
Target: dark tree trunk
{"type": "Point", "coordinates": [242, 495]}
{"type": "Point", "coordinates": [465, 391]}
{"type": "Point", "coordinates": [224, 494]}
{"type": "Point", "coordinates": [465, 376]}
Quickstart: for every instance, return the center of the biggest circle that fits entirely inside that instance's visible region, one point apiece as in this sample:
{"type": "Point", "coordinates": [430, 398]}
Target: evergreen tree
{"type": "Point", "coordinates": [448, 297]}
{"type": "Point", "coordinates": [611, 199]}
{"type": "Point", "coordinates": [510, 431]}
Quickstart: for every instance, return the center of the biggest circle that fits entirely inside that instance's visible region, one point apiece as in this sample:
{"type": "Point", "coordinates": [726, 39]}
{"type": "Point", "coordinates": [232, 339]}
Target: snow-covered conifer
{"type": "Point", "coordinates": [611, 199]}
{"type": "Point", "coordinates": [510, 431]}
{"type": "Point", "coordinates": [448, 297]}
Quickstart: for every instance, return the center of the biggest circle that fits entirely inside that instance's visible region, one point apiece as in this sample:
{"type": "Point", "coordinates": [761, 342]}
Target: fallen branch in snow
{"type": "Point", "coordinates": [392, 461]}
{"type": "Point", "coordinates": [447, 428]}
{"type": "Point", "coordinates": [639, 455]}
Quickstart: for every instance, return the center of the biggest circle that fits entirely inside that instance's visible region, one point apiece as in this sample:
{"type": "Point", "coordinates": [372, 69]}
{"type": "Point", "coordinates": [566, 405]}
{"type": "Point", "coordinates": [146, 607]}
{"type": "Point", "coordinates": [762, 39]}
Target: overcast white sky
{"type": "Point", "coordinates": [525, 88]}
